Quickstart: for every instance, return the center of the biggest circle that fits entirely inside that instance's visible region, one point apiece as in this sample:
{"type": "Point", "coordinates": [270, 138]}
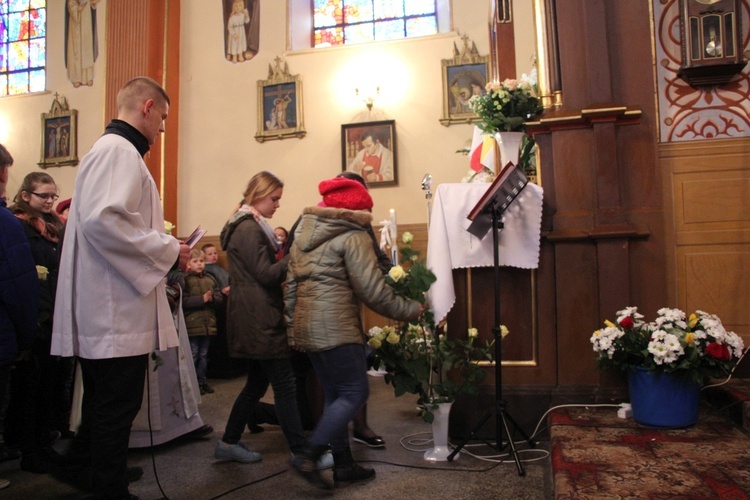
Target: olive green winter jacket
{"type": "Point", "coordinates": [332, 268]}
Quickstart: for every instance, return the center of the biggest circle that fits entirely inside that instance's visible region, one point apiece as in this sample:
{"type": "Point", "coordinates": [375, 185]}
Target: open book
{"type": "Point", "coordinates": [195, 236]}
{"type": "Point", "coordinates": [501, 193]}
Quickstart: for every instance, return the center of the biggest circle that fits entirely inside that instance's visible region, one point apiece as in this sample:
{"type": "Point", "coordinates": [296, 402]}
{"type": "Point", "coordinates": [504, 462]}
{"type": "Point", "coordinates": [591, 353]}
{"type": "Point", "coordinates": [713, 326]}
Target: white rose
{"type": "Point", "coordinates": [374, 331]}
{"type": "Point", "coordinates": [407, 237]}
{"type": "Point", "coordinates": [473, 332]}
{"type": "Point", "coordinates": [397, 273]}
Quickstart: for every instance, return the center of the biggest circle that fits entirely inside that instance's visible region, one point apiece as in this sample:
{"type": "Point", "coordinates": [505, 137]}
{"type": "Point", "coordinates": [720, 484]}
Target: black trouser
{"type": "Point", "coordinates": [112, 396]}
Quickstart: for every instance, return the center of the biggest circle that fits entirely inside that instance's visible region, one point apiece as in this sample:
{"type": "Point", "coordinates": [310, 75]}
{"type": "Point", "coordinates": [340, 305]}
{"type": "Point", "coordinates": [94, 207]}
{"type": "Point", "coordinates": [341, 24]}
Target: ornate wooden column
{"type": "Point", "coordinates": [143, 39]}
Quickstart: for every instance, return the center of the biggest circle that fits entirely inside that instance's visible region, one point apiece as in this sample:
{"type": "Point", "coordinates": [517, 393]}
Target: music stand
{"type": "Point", "coordinates": [486, 215]}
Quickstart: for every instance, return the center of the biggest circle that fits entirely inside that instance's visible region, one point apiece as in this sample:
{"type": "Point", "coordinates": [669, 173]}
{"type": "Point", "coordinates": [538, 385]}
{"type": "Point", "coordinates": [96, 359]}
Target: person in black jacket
{"type": "Point", "coordinates": [19, 288]}
{"type": "Point", "coordinates": [36, 399]}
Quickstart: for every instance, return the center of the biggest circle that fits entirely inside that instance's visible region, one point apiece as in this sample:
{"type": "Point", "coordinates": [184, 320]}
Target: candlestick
{"type": "Point", "coordinates": [394, 235]}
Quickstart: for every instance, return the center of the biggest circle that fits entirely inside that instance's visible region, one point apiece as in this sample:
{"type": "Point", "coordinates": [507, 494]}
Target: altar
{"type": "Point", "coordinates": [450, 246]}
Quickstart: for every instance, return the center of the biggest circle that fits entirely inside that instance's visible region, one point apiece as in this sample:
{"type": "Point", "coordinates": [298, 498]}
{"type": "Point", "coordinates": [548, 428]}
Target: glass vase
{"type": "Point", "coordinates": [440, 450]}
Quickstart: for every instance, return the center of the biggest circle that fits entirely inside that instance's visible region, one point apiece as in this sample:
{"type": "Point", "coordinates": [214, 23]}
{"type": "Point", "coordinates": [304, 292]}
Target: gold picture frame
{"type": "Point", "coordinates": [378, 139]}
{"type": "Point", "coordinates": [464, 75]}
{"type": "Point", "coordinates": [59, 135]}
{"type": "Point", "coordinates": [280, 113]}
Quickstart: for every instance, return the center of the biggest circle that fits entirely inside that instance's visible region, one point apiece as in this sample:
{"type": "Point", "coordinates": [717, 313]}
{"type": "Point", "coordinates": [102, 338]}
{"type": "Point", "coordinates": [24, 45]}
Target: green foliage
{"type": "Point", "coordinates": [416, 356]}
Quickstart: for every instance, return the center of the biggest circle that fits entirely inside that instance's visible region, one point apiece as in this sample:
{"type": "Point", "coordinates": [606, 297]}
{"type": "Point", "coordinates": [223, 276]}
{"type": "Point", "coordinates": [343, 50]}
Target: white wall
{"type": "Point", "coordinates": [20, 116]}
{"type": "Point", "coordinates": [218, 103]}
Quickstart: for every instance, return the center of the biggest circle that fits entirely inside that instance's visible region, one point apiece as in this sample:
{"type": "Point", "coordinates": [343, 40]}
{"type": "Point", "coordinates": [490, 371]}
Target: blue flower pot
{"type": "Point", "coordinates": [663, 399]}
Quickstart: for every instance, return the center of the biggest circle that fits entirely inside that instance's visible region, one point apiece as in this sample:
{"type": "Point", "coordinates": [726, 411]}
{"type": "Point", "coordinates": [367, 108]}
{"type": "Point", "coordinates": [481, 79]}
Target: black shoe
{"type": "Point", "coordinates": [200, 432]}
{"type": "Point", "coordinates": [7, 453]}
{"type": "Point", "coordinates": [372, 442]}
{"type": "Point", "coordinates": [206, 389]}
{"type": "Point", "coordinates": [254, 428]}
{"type": "Point", "coordinates": [133, 474]}
{"type": "Point", "coordinates": [305, 464]}
{"type": "Point", "coordinates": [347, 471]}
{"type": "Point", "coordinates": [36, 463]}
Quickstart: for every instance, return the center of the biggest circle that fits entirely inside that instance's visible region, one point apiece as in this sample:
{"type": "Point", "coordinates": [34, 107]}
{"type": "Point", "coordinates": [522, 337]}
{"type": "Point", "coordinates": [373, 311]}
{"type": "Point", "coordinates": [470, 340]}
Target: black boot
{"type": "Point", "coordinates": [305, 463]}
{"type": "Point", "coordinates": [263, 413]}
{"type": "Point", "coordinates": [346, 470]}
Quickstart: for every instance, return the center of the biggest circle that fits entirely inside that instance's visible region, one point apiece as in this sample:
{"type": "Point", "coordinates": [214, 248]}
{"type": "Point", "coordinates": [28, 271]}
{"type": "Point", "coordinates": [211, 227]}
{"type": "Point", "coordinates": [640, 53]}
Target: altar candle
{"type": "Point", "coordinates": [394, 234]}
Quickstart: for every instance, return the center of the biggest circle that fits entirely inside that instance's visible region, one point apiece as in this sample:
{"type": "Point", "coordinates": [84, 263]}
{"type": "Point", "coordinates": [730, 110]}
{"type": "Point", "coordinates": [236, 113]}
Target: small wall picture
{"type": "Point", "coordinates": [59, 135]}
{"type": "Point", "coordinates": [280, 105]}
{"type": "Point", "coordinates": [369, 149]}
{"type": "Point", "coordinates": [464, 76]}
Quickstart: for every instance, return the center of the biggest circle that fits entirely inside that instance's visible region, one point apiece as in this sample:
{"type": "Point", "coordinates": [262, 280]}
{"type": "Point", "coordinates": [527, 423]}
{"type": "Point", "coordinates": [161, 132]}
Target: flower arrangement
{"type": "Point", "coordinates": [697, 345]}
{"type": "Point", "coordinates": [416, 356]}
{"type": "Point", "coordinates": [507, 105]}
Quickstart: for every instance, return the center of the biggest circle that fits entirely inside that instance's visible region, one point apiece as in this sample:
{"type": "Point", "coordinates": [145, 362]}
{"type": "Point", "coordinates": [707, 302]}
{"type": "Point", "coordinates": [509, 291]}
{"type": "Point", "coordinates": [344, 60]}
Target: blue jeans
{"type": "Point", "coordinates": [199, 348]}
{"type": "Point", "coordinates": [281, 377]}
{"type": "Point", "coordinates": [342, 372]}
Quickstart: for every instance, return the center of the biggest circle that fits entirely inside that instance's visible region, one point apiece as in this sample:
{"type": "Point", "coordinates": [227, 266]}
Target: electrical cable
{"type": "Point", "coordinates": [151, 436]}
{"type": "Point", "coordinates": [729, 377]}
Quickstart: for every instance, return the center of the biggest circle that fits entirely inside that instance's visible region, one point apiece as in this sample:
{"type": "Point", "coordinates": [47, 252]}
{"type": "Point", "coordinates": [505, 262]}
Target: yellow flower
{"type": "Point", "coordinates": [374, 343]}
{"type": "Point", "coordinates": [503, 331]}
{"type": "Point", "coordinates": [609, 323]}
{"type": "Point", "coordinates": [168, 227]}
{"type": "Point", "coordinates": [407, 237]}
{"type": "Point", "coordinates": [473, 332]}
{"type": "Point", "coordinates": [42, 272]}
{"type": "Point", "coordinates": [393, 338]}
{"type": "Point", "coordinates": [397, 273]}
{"type": "Point", "coordinates": [692, 320]}
{"type": "Point", "coordinates": [690, 338]}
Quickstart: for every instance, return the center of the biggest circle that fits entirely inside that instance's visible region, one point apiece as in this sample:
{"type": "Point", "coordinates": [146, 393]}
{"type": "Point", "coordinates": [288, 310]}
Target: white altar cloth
{"type": "Point", "coordinates": [450, 246]}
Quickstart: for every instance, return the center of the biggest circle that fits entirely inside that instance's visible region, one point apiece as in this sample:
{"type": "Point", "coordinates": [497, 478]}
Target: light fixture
{"type": "Point", "coordinates": [711, 41]}
{"type": "Point", "coordinates": [368, 96]}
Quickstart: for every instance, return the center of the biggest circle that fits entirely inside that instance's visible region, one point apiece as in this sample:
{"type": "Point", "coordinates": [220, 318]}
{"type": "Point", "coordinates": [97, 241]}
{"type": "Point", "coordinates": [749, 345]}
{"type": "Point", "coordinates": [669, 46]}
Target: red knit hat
{"type": "Point", "coordinates": [61, 206]}
{"type": "Point", "coordinates": [340, 192]}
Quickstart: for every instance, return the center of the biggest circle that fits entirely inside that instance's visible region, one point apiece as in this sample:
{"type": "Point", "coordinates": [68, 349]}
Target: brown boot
{"type": "Point", "coordinates": [347, 471]}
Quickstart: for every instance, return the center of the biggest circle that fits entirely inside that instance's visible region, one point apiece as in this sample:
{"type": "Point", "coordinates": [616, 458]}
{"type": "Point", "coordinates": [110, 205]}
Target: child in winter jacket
{"type": "Point", "coordinates": [201, 297]}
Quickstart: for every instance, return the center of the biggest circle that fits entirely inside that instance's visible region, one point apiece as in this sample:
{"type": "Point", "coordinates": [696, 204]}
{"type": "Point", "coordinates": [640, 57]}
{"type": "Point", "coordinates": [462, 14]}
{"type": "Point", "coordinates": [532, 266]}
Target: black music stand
{"type": "Point", "coordinates": [486, 215]}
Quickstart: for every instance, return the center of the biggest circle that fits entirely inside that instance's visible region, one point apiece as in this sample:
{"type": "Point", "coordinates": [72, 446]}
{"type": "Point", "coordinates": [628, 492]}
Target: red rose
{"type": "Point", "coordinates": [718, 351]}
{"type": "Point", "coordinates": [627, 323]}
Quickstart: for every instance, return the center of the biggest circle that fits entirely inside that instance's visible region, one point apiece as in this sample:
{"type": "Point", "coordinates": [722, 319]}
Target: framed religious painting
{"type": "Point", "coordinates": [59, 135]}
{"type": "Point", "coordinates": [369, 149]}
{"type": "Point", "coordinates": [464, 76]}
{"type": "Point", "coordinates": [280, 105]}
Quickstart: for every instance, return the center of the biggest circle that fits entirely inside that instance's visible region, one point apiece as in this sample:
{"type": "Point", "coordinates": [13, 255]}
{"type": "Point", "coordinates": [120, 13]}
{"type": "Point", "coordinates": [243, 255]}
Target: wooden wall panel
{"type": "Point", "coordinates": [143, 40]}
{"type": "Point", "coordinates": [707, 187]}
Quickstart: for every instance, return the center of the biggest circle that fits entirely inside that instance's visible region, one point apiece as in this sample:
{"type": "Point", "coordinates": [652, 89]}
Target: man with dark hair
{"type": "Point", "coordinates": [374, 162]}
{"type": "Point", "coordinates": [112, 308]}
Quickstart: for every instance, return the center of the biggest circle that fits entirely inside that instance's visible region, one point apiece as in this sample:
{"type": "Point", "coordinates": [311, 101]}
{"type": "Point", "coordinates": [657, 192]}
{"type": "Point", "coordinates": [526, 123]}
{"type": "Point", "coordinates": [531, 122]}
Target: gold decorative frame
{"type": "Point", "coordinates": [464, 75]}
{"type": "Point", "coordinates": [59, 135]}
{"type": "Point", "coordinates": [280, 105]}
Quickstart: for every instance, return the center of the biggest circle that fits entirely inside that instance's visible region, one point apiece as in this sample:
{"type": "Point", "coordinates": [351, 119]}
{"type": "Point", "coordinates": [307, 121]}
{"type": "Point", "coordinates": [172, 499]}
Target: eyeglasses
{"type": "Point", "coordinates": [46, 196]}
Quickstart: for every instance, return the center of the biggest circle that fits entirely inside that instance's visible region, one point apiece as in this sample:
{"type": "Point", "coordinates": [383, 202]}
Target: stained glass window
{"type": "Point", "coordinates": [342, 22]}
{"type": "Point", "coordinates": [23, 46]}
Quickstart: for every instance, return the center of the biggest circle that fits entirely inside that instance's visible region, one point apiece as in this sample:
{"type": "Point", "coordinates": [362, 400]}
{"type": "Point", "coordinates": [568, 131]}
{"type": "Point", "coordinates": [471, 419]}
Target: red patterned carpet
{"type": "Point", "coordinates": [595, 454]}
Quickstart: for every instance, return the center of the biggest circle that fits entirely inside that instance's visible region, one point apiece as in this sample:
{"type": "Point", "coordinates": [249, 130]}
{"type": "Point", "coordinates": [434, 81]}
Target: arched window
{"type": "Point", "coordinates": [23, 46]}
{"type": "Point", "coordinates": [342, 22]}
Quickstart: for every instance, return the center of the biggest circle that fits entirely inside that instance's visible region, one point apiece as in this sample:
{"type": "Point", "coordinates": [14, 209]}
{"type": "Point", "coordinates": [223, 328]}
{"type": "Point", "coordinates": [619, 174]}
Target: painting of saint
{"type": "Point", "coordinates": [81, 45]}
{"type": "Point", "coordinates": [241, 29]}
